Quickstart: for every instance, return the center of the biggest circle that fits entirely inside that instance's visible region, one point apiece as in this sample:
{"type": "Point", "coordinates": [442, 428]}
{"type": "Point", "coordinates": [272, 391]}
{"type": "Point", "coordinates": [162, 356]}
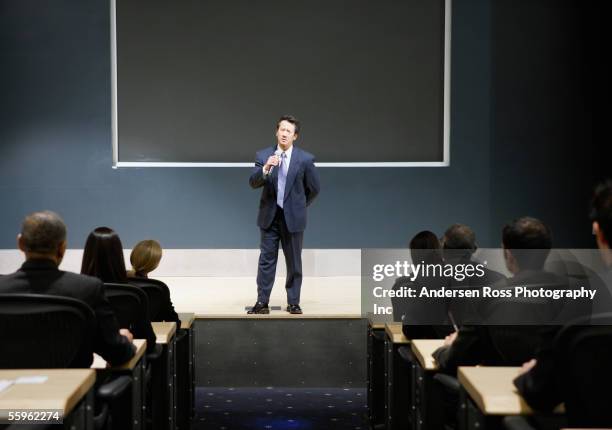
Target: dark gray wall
{"type": "Point", "coordinates": [546, 95]}
{"type": "Point", "coordinates": [55, 149]}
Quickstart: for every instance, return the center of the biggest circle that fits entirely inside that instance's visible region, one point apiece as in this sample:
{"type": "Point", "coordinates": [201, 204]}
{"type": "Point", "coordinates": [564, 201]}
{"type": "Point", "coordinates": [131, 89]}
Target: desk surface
{"type": "Point", "coordinates": [63, 389]}
{"type": "Point", "coordinates": [378, 322]}
{"type": "Point", "coordinates": [394, 331]}
{"type": "Point", "coordinates": [492, 390]}
{"type": "Point", "coordinates": [187, 319]}
{"type": "Point", "coordinates": [423, 348]}
{"type": "Point", "coordinates": [164, 331]}
{"type": "Point", "coordinates": [141, 346]}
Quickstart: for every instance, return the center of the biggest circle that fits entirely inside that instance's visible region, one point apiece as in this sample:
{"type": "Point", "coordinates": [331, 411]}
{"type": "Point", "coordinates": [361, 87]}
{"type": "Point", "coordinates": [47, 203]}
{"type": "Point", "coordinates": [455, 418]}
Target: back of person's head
{"type": "Point", "coordinates": [43, 234]}
{"type": "Point", "coordinates": [145, 257]}
{"type": "Point", "coordinates": [460, 240]}
{"type": "Point", "coordinates": [103, 256]}
{"type": "Point", "coordinates": [601, 211]}
{"type": "Point", "coordinates": [529, 241]}
{"type": "Point", "coordinates": [425, 247]}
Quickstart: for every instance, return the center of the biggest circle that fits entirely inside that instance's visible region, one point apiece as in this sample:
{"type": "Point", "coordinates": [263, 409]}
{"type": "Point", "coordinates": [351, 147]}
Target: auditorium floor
{"type": "Point", "coordinates": [277, 408]}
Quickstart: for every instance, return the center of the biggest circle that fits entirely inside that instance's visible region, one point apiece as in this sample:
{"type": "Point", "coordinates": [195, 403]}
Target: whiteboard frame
{"type": "Point", "coordinates": [446, 115]}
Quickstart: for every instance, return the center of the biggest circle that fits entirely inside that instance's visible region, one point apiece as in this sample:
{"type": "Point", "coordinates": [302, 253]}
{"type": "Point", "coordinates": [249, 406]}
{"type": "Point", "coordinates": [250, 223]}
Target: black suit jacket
{"type": "Point", "coordinates": [43, 277]}
{"type": "Point", "coordinates": [543, 387]}
{"type": "Point", "coordinates": [465, 311]}
{"type": "Point", "coordinates": [421, 318]}
{"type": "Point", "coordinates": [502, 345]}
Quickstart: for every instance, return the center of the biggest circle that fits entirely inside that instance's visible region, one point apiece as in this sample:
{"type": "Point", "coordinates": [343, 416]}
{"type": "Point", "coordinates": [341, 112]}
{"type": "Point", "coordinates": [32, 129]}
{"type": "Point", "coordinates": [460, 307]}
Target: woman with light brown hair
{"type": "Point", "coordinates": [145, 258]}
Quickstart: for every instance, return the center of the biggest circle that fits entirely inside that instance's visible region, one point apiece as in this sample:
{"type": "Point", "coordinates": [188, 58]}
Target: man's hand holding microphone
{"type": "Point", "coordinates": [273, 160]}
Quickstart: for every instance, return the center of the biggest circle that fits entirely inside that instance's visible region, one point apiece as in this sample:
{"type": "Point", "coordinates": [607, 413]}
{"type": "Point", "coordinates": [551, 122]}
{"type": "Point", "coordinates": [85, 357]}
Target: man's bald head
{"type": "Point", "coordinates": [43, 234]}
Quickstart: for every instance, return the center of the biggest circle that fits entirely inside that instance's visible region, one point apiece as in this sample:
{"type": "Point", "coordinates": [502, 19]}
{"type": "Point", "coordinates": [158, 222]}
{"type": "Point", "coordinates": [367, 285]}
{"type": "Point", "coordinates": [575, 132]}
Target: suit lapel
{"type": "Point", "coordinates": [296, 158]}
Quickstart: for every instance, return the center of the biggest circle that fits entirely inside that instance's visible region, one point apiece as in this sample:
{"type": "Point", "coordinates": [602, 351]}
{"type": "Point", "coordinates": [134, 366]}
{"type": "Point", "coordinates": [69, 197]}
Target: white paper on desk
{"type": "Point", "coordinates": [4, 384]}
{"type": "Point", "coordinates": [31, 379]}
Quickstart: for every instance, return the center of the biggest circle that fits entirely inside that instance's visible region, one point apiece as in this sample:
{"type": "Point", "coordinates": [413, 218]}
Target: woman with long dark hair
{"type": "Point", "coordinates": [103, 258]}
{"type": "Point", "coordinates": [423, 318]}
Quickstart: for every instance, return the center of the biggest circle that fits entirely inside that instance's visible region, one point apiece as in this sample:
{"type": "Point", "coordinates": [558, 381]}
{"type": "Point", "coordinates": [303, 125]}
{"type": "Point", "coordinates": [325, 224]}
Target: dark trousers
{"type": "Point", "coordinates": [292, 248]}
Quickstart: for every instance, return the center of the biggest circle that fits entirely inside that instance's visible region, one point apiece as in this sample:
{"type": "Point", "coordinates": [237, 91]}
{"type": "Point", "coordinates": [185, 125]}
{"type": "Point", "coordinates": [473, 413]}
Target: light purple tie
{"type": "Point", "coordinates": [282, 179]}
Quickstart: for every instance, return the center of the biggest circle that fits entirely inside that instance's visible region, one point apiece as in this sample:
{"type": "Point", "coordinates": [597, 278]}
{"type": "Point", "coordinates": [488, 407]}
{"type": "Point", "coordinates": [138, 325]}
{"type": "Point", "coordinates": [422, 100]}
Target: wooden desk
{"type": "Point", "coordinates": [492, 390]}
{"type": "Point", "coordinates": [376, 368]}
{"type": "Point", "coordinates": [164, 378]}
{"type": "Point", "coordinates": [395, 334]}
{"type": "Point", "coordinates": [135, 368]}
{"type": "Point", "coordinates": [426, 405]}
{"type": "Point", "coordinates": [187, 319]}
{"type": "Point", "coordinates": [141, 347]}
{"type": "Point", "coordinates": [488, 394]}
{"type": "Point", "coordinates": [68, 390]}
{"type": "Point", "coordinates": [185, 371]}
{"type": "Point", "coordinates": [422, 349]}
{"type": "Point", "coordinates": [164, 331]}
{"type": "Point", "coordinates": [397, 378]}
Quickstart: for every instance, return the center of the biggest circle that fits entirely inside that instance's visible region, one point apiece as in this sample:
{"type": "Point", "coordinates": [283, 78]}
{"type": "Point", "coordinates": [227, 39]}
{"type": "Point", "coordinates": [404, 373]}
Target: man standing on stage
{"type": "Point", "coordinates": [290, 183]}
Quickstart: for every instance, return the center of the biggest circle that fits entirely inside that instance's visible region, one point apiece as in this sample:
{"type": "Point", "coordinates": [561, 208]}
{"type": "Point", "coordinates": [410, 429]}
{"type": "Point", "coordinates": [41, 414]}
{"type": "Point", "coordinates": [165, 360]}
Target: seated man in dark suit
{"type": "Point", "coordinates": [541, 379]}
{"type": "Point", "coordinates": [43, 240]}
{"type": "Point", "coordinates": [459, 245]}
{"type": "Point", "coordinates": [526, 243]}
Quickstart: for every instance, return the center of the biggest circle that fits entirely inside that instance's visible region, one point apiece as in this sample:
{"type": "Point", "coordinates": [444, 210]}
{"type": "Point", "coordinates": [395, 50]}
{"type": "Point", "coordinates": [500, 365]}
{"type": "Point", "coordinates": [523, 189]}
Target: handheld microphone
{"type": "Point", "coordinates": [278, 152]}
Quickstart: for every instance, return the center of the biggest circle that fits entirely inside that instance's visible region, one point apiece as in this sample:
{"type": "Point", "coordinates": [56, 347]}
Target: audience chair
{"type": "Point", "coordinates": [154, 293]}
{"type": "Point", "coordinates": [44, 331]}
{"type": "Point", "coordinates": [586, 353]}
{"type": "Point", "coordinates": [131, 306]}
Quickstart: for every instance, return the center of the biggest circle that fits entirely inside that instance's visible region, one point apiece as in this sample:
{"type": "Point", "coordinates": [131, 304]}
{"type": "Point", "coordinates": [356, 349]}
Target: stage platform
{"type": "Point", "coordinates": [227, 297]}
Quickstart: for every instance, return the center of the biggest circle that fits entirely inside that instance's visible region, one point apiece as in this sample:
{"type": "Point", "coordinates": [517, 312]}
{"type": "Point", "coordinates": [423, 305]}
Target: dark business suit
{"type": "Point", "coordinates": [464, 310]}
{"type": "Point", "coordinates": [546, 384]}
{"type": "Point", "coordinates": [421, 318]}
{"type": "Point", "coordinates": [42, 276]}
{"type": "Point", "coordinates": [285, 225]}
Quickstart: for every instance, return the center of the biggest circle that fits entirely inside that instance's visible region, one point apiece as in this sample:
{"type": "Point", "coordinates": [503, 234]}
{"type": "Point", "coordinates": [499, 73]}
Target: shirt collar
{"type": "Point", "coordinates": [39, 264]}
{"type": "Point", "coordinates": [287, 152]}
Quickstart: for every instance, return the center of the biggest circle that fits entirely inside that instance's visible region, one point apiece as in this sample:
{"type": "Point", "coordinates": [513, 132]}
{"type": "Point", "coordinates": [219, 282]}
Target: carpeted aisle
{"type": "Point", "coordinates": [280, 408]}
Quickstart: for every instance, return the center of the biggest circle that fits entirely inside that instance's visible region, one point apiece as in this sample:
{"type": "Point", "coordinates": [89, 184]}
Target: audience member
{"type": "Point", "coordinates": [145, 258]}
{"type": "Point", "coordinates": [601, 218]}
{"type": "Point", "coordinates": [459, 246]}
{"type": "Point", "coordinates": [103, 258]}
{"type": "Point", "coordinates": [43, 241]}
{"type": "Point", "coordinates": [526, 242]}
{"type": "Point", "coordinates": [422, 318]}
{"type": "Point", "coordinates": [541, 382]}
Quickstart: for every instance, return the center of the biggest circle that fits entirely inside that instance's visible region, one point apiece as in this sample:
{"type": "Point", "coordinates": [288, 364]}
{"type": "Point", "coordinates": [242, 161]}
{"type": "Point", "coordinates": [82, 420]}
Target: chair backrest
{"type": "Point", "coordinates": [129, 303]}
{"type": "Point", "coordinates": [585, 371]}
{"type": "Point", "coordinates": [155, 294]}
{"type": "Point", "coordinates": [45, 331]}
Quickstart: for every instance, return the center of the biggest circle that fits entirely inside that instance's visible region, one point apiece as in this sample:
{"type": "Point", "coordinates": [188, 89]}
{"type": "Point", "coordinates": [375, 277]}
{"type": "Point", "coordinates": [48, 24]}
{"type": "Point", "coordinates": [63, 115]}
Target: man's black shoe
{"type": "Point", "coordinates": [294, 309]}
{"type": "Point", "coordinates": [259, 308]}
